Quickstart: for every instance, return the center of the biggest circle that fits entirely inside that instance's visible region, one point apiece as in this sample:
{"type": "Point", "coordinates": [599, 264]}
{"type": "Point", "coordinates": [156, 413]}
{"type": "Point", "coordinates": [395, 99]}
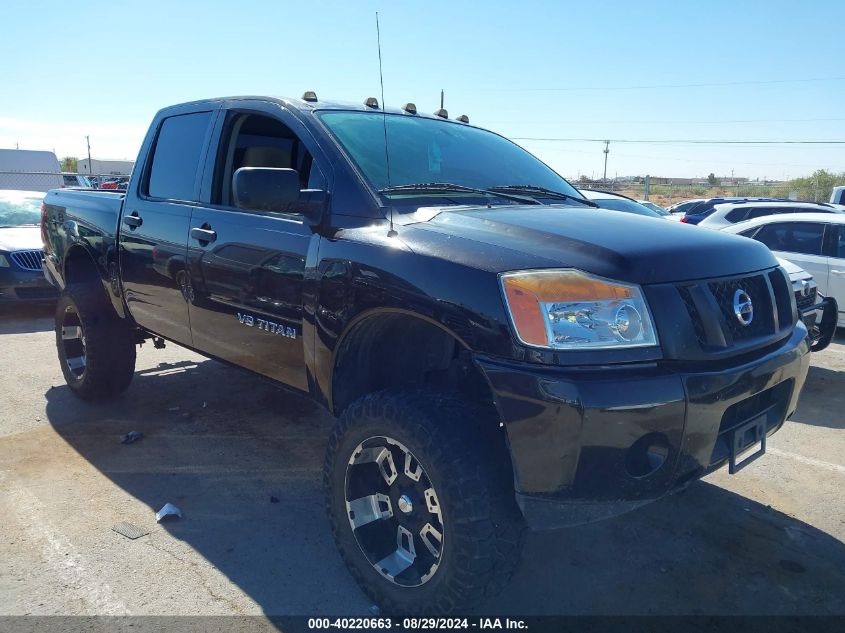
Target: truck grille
{"type": "Point", "coordinates": [761, 323]}
{"type": "Point", "coordinates": [805, 301]}
{"type": "Point", "coordinates": [710, 305]}
{"type": "Point", "coordinates": [28, 260]}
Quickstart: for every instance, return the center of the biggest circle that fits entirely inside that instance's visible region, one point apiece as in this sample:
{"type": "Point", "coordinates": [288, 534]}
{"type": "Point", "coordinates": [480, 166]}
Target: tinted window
{"type": "Point", "coordinates": [252, 140]}
{"type": "Point", "coordinates": [427, 150]}
{"type": "Point", "coordinates": [793, 237]}
{"type": "Point", "coordinates": [737, 215]}
{"type": "Point", "coordinates": [177, 156]}
{"type": "Point", "coordinates": [840, 242]}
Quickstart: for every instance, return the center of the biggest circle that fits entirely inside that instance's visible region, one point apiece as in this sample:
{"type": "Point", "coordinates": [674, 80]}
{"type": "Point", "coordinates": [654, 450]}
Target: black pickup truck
{"type": "Point", "coordinates": [498, 351]}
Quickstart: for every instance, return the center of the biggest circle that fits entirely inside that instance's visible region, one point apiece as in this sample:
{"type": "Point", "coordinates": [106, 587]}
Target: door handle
{"type": "Point", "coordinates": [203, 235]}
{"type": "Point", "coordinates": [133, 220]}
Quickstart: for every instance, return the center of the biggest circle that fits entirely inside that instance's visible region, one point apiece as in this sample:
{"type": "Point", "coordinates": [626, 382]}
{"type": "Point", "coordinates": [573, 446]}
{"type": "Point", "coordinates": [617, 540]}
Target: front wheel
{"type": "Point", "coordinates": [96, 349]}
{"type": "Point", "coordinates": [420, 499]}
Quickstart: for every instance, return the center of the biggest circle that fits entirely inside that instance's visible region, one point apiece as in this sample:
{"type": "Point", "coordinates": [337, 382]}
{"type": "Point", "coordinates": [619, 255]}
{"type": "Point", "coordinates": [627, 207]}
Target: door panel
{"type": "Point", "coordinates": [816, 265]}
{"type": "Point", "coordinates": [153, 267]}
{"type": "Point", "coordinates": [836, 281]}
{"type": "Point", "coordinates": [246, 290]}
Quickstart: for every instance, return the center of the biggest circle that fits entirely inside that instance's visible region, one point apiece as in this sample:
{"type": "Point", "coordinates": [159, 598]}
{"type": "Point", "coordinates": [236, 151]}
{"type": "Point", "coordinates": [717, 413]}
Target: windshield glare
{"type": "Point", "coordinates": [431, 151]}
{"type": "Point", "coordinates": [629, 206]}
{"type": "Point", "coordinates": [19, 208]}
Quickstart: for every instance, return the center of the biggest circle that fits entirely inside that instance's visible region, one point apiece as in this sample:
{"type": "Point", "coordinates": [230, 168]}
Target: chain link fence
{"type": "Point", "coordinates": [45, 180]}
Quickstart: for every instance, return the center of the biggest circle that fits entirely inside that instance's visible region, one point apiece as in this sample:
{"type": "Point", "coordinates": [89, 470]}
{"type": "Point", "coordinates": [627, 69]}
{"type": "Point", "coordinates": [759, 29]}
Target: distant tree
{"type": "Point", "coordinates": [818, 186]}
{"type": "Point", "coordinates": [712, 179]}
{"type": "Point", "coordinates": [70, 163]}
{"type": "Point", "coordinates": [584, 178]}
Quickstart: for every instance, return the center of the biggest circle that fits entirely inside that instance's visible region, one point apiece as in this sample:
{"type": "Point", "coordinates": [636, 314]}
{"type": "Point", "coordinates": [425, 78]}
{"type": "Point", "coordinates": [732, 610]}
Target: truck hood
{"type": "Point", "coordinates": [20, 238]}
{"type": "Point", "coordinates": [612, 244]}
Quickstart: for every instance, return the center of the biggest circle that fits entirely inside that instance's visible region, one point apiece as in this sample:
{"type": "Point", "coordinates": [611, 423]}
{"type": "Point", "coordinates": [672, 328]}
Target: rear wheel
{"type": "Point", "coordinates": [96, 350]}
{"type": "Point", "coordinates": [420, 499]}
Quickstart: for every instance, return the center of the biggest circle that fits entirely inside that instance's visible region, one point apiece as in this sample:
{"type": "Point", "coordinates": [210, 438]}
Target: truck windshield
{"type": "Point", "coordinates": [19, 208]}
{"type": "Point", "coordinates": [426, 150]}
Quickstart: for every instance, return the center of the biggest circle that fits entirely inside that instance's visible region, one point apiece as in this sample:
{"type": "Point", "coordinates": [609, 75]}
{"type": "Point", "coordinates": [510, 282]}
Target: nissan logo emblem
{"type": "Point", "coordinates": [743, 308]}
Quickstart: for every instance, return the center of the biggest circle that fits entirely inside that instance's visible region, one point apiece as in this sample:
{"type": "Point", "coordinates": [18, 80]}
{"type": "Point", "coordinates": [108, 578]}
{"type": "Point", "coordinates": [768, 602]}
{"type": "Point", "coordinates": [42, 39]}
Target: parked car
{"type": "Point", "coordinates": [497, 353]}
{"type": "Point", "coordinates": [729, 213]}
{"type": "Point", "coordinates": [29, 170]}
{"type": "Point", "coordinates": [814, 241]}
{"type": "Point", "coordinates": [684, 206]}
{"type": "Point", "coordinates": [76, 180]}
{"type": "Point", "coordinates": [812, 306]}
{"type": "Point", "coordinates": [618, 202]}
{"type": "Point", "coordinates": [837, 196]}
{"type": "Point", "coordinates": [21, 276]}
{"type": "Point", "coordinates": [704, 208]}
{"type": "Point", "coordinates": [654, 207]}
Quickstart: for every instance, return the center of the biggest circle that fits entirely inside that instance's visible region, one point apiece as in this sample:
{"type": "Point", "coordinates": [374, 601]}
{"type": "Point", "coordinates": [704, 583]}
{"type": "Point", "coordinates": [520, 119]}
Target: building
{"type": "Point", "coordinates": [105, 167]}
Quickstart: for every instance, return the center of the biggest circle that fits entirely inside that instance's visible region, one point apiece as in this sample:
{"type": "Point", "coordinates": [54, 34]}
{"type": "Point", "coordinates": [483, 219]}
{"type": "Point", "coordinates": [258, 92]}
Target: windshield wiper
{"type": "Point", "coordinates": [448, 187]}
{"type": "Point", "coordinates": [543, 192]}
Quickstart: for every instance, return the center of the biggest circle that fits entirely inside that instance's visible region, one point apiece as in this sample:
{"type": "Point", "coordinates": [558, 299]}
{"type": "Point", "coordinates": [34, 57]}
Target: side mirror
{"type": "Point", "coordinates": [265, 188]}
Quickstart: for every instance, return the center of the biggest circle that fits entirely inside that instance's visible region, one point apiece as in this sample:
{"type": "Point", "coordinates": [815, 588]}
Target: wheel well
{"type": "Point", "coordinates": [389, 351]}
{"type": "Point", "coordinates": [80, 267]}
{"type": "Point", "coordinates": [395, 350]}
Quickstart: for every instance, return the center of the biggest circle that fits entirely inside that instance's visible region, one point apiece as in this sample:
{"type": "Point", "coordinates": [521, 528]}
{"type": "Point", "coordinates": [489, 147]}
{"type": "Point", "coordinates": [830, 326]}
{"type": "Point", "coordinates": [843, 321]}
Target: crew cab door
{"type": "Point", "coordinates": [247, 268]}
{"type": "Point", "coordinates": [155, 221]}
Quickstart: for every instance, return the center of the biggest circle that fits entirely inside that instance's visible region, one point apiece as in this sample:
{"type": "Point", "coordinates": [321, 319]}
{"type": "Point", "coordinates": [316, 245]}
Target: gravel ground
{"type": "Point", "coordinates": [223, 445]}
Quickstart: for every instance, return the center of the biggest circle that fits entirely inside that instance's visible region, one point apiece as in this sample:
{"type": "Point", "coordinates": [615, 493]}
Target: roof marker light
{"type": "Point", "coordinates": [410, 108]}
{"type": "Point", "coordinates": [309, 95]}
{"type": "Point", "coordinates": [371, 102]}
{"type": "Point", "coordinates": [463, 118]}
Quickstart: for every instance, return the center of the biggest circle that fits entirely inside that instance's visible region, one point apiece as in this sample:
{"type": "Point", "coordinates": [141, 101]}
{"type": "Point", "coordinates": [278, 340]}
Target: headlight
{"type": "Point", "coordinates": [4, 262]}
{"type": "Point", "coordinates": [569, 309]}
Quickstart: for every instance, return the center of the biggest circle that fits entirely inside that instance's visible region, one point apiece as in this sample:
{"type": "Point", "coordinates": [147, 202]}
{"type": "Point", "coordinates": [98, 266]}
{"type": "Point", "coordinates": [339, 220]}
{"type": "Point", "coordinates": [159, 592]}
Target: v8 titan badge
{"type": "Point", "coordinates": [267, 326]}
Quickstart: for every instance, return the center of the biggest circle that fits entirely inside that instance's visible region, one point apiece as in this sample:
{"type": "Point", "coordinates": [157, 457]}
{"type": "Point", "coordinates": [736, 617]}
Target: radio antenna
{"type": "Point", "coordinates": [391, 232]}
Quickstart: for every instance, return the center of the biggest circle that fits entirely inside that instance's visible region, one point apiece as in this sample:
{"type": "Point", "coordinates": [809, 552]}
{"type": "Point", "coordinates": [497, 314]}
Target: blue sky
{"type": "Point", "coordinates": [524, 69]}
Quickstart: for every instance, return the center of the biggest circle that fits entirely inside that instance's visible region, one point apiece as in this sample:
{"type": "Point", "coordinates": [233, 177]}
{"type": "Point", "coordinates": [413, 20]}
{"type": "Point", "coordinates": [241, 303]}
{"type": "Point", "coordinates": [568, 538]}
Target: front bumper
{"type": "Point", "coordinates": [25, 286]}
{"type": "Point", "coordinates": [591, 442]}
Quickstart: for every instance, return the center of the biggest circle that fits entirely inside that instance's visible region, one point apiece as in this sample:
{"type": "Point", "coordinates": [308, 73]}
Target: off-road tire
{"type": "Point", "coordinates": [459, 446]}
{"type": "Point", "coordinates": [109, 348]}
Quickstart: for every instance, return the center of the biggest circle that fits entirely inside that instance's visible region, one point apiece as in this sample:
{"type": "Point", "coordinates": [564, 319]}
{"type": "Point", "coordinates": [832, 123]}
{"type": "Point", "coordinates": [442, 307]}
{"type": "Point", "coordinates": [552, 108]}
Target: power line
{"type": "Point", "coordinates": [671, 141]}
{"type": "Point", "coordinates": [662, 86]}
{"type": "Point", "coordinates": [665, 122]}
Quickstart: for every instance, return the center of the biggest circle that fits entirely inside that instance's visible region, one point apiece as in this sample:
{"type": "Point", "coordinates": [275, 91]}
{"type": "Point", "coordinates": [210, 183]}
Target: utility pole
{"type": "Point", "coordinates": [88, 142]}
{"type": "Point", "coordinates": [606, 152]}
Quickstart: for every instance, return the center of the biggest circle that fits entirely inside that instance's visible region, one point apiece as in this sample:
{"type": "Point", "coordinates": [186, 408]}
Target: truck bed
{"type": "Point", "coordinates": [79, 218]}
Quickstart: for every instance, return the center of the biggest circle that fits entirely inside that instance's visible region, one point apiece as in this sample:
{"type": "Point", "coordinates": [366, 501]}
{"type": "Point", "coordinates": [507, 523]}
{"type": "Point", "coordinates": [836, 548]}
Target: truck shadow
{"type": "Point", "coordinates": [243, 459]}
{"type": "Point", "coordinates": [822, 399]}
{"type": "Point", "coordinates": [26, 317]}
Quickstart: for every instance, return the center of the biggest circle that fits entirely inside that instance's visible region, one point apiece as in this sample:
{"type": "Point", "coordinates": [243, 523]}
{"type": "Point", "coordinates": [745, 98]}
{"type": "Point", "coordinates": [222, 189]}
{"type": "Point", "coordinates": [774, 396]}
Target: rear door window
{"type": "Point", "coordinates": [737, 215]}
{"type": "Point", "coordinates": [839, 244]}
{"type": "Point", "coordinates": [793, 237]}
{"type": "Point", "coordinates": [177, 157]}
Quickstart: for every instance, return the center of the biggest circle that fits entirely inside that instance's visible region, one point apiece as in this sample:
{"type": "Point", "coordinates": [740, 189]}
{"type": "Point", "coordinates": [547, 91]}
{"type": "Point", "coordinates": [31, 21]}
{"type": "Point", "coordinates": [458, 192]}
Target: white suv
{"type": "Point", "coordinates": [813, 241]}
{"type": "Point", "coordinates": [729, 213]}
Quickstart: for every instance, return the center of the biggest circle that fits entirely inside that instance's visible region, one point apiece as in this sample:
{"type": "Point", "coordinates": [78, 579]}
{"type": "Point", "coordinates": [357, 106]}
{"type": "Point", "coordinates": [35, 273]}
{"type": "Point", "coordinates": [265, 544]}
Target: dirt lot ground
{"type": "Point", "coordinates": [221, 444]}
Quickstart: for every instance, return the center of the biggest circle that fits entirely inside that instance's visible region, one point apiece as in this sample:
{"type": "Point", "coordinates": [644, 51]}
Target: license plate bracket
{"type": "Point", "coordinates": [743, 438]}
